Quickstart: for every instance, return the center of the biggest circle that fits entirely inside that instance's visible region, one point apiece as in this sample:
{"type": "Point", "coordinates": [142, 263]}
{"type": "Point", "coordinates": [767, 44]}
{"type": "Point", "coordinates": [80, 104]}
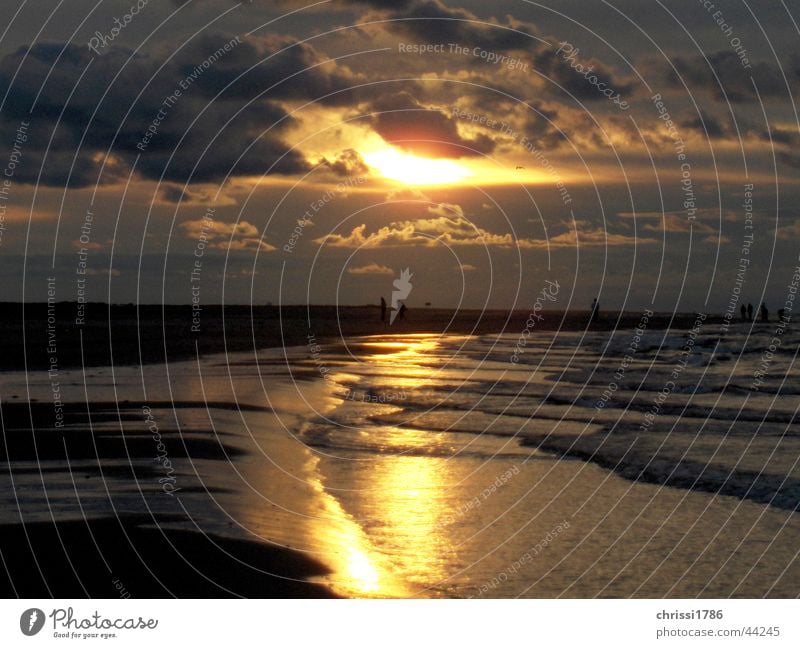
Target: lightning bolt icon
{"type": "Point", "coordinates": [32, 620]}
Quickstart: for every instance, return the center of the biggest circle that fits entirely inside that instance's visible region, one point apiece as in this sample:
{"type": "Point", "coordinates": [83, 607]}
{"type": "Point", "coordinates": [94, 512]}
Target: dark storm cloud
{"type": "Point", "coordinates": [540, 126]}
{"type": "Point", "coordinates": [401, 120]}
{"type": "Point", "coordinates": [433, 22]}
{"type": "Point", "coordinates": [706, 125]}
{"type": "Point", "coordinates": [782, 136]}
{"type": "Point", "coordinates": [104, 106]}
{"type": "Point", "coordinates": [790, 159]}
{"type": "Point", "coordinates": [723, 75]}
{"type": "Point", "coordinates": [186, 194]}
{"type": "Point", "coordinates": [286, 70]}
{"type": "Point", "coordinates": [554, 67]}
{"type": "Point", "coordinates": [341, 5]}
{"type": "Point", "coordinates": [223, 138]}
{"type": "Point", "coordinates": [172, 193]}
{"type": "Point", "coordinates": [380, 4]}
{"type": "Point", "coordinates": [724, 128]}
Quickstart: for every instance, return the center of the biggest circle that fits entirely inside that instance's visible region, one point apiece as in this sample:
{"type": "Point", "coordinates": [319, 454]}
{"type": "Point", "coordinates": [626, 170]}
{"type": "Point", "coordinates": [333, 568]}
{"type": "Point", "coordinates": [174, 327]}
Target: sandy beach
{"type": "Point", "coordinates": [62, 542]}
{"type": "Point", "coordinates": [397, 465]}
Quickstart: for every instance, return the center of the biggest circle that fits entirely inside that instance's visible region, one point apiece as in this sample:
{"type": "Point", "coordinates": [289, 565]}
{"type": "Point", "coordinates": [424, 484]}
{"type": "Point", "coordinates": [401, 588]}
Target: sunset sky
{"type": "Point", "coordinates": [309, 151]}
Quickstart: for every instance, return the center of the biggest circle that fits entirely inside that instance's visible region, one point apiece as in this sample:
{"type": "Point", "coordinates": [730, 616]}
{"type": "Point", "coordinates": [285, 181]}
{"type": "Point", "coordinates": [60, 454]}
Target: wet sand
{"type": "Point", "coordinates": [142, 557]}
{"type": "Point", "coordinates": [57, 541]}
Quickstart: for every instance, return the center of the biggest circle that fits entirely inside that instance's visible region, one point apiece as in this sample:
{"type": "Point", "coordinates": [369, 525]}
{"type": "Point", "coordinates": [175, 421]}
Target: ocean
{"type": "Point", "coordinates": [627, 463]}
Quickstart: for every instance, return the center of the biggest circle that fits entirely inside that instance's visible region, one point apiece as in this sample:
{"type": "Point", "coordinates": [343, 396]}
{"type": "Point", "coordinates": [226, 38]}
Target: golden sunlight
{"type": "Point", "coordinates": [411, 169]}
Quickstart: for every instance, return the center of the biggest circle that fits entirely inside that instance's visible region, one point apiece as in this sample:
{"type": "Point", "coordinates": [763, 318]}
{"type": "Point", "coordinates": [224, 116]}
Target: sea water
{"type": "Point", "coordinates": [627, 463]}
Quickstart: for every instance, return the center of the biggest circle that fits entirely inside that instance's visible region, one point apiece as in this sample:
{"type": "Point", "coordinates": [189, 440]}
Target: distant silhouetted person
{"type": "Point", "coordinates": [383, 309]}
{"type": "Point", "coordinates": [781, 311]}
{"type": "Point", "coordinates": [401, 314]}
{"type": "Point", "coordinates": [764, 313]}
{"type": "Point", "coordinates": [743, 310]}
{"type": "Point", "coordinates": [749, 312]}
{"type": "Point", "coordinates": [595, 311]}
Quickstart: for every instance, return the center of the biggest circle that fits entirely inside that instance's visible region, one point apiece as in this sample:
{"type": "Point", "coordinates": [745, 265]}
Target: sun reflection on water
{"type": "Point", "coordinates": [402, 500]}
{"type": "Point", "coordinates": [398, 502]}
{"type": "Point", "coordinates": [358, 570]}
{"type": "Point", "coordinates": [405, 497]}
{"type": "Point", "coordinates": [407, 349]}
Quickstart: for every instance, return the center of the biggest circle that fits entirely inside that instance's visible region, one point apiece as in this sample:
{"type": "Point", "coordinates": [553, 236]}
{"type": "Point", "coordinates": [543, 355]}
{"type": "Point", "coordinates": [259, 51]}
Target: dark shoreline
{"type": "Point", "coordinates": [115, 551]}
{"type": "Point", "coordinates": [142, 557]}
{"type": "Point", "coordinates": [126, 334]}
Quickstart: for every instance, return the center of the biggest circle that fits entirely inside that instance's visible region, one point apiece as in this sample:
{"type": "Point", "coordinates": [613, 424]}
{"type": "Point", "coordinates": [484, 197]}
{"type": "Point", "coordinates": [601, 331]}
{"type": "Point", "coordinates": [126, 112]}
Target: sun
{"type": "Point", "coordinates": [413, 170]}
